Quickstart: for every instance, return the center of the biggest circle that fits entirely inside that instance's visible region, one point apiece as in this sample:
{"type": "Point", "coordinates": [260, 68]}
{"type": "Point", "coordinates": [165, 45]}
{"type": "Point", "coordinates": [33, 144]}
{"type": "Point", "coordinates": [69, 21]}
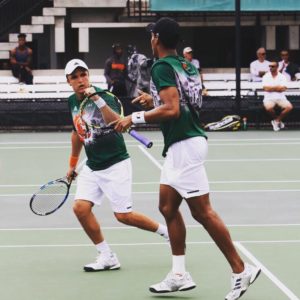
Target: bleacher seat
{"type": "Point", "coordinates": [52, 84]}
{"type": "Point", "coordinates": [47, 84]}
{"type": "Point", "coordinates": [8, 80]}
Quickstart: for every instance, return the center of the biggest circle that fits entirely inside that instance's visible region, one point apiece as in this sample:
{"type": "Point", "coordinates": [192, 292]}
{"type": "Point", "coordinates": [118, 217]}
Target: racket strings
{"type": "Point", "coordinates": [50, 197]}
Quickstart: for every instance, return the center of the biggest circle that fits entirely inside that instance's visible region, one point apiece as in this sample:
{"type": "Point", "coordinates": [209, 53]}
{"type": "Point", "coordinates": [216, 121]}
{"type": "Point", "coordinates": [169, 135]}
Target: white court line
{"type": "Point", "coordinates": [150, 157]}
{"type": "Point", "coordinates": [270, 275]}
{"type": "Point", "coordinates": [46, 147]}
{"type": "Point", "coordinates": [154, 145]}
{"type": "Point", "coordinates": [156, 192]}
{"type": "Point", "coordinates": [156, 182]}
{"type": "Point", "coordinates": [74, 184]}
{"type": "Point", "coordinates": [134, 228]}
{"type": "Point", "coordinates": [253, 159]}
{"type": "Point", "coordinates": [242, 145]}
{"type": "Point", "coordinates": [156, 140]}
{"type": "Point", "coordinates": [254, 181]}
{"type": "Point", "coordinates": [140, 244]}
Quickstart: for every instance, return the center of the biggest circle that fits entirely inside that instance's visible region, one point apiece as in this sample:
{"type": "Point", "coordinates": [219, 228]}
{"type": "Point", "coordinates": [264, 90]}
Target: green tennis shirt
{"type": "Point", "coordinates": [174, 71]}
{"type": "Point", "coordinates": [103, 148]}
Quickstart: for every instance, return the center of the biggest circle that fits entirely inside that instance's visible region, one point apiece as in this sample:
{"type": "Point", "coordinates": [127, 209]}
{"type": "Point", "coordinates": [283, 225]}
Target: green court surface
{"type": "Point", "coordinates": [255, 187]}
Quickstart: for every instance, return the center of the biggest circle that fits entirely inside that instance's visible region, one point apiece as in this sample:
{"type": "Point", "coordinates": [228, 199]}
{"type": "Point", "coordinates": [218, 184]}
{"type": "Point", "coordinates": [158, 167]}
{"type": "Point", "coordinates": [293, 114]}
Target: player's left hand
{"type": "Point", "coordinates": [122, 124]}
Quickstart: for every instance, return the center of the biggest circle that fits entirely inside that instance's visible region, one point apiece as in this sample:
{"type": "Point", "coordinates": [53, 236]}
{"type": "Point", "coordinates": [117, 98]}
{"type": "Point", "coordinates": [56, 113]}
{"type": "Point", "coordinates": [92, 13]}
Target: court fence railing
{"type": "Point", "coordinates": [53, 114]}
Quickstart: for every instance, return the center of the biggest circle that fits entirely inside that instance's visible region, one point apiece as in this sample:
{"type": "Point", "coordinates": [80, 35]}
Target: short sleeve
{"type": "Point", "coordinates": [163, 76]}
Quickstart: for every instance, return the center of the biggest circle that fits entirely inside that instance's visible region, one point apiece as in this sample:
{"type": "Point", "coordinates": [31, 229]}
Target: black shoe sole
{"type": "Point", "coordinates": [86, 269]}
{"type": "Point", "coordinates": [258, 273]}
{"type": "Point", "coordinates": [152, 290]}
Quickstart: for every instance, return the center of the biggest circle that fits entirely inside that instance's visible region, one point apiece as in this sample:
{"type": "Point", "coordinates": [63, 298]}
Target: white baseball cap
{"type": "Point", "coordinates": [73, 64]}
{"type": "Point", "coordinates": [187, 50]}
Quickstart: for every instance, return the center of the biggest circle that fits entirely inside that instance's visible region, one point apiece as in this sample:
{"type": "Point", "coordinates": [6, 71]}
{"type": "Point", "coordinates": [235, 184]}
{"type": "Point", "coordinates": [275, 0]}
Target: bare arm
{"type": "Point", "coordinates": [29, 58]}
{"type": "Point", "coordinates": [13, 60]}
{"type": "Point", "coordinates": [75, 152]}
{"type": "Point", "coordinates": [170, 109]}
{"type": "Point", "coordinates": [277, 88]}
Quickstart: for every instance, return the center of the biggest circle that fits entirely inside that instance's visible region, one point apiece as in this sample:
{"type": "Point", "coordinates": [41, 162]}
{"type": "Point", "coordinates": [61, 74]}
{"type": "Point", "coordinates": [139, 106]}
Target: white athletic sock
{"type": "Point", "coordinates": [163, 231]}
{"type": "Point", "coordinates": [103, 248]}
{"type": "Point", "coordinates": [178, 266]}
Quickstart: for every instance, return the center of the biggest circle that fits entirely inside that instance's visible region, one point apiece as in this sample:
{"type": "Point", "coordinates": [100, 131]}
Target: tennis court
{"type": "Point", "coordinates": [255, 187]}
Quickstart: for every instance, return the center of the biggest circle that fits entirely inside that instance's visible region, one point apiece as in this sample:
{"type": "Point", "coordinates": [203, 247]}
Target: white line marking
{"type": "Point", "coordinates": [253, 160]}
{"type": "Point", "coordinates": [156, 182]}
{"type": "Point", "coordinates": [141, 244]}
{"type": "Point", "coordinates": [253, 144]}
{"type": "Point", "coordinates": [250, 140]}
{"type": "Point", "coordinates": [150, 157]}
{"type": "Point", "coordinates": [242, 145]}
{"type": "Point", "coordinates": [155, 140]}
{"type": "Point", "coordinates": [35, 147]}
{"type": "Point", "coordinates": [254, 181]}
{"type": "Point", "coordinates": [271, 276]}
{"type": "Point", "coordinates": [134, 228]}
{"type": "Point", "coordinates": [74, 184]}
{"type": "Point", "coordinates": [45, 147]}
{"type": "Point", "coordinates": [156, 192]}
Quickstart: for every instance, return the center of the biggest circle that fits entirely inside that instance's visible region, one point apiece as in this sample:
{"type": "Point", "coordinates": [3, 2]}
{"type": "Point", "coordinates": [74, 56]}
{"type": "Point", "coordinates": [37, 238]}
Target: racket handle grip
{"type": "Point", "coordinates": [142, 139]}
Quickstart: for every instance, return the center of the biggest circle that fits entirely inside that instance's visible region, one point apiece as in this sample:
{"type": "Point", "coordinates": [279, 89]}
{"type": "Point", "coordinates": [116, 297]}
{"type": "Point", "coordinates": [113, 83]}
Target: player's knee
{"type": "Point", "coordinates": [203, 216]}
{"type": "Point", "coordinates": [80, 209]}
{"type": "Point", "coordinates": [166, 211]}
{"type": "Point", "coordinates": [289, 107]}
{"type": "Point", "coordinates": [124, 218]}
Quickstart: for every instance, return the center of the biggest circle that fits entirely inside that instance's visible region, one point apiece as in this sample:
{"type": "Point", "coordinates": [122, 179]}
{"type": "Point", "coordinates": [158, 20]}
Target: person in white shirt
{"type": "Point", "coordinates": [259, 67]}
{"type": "Point", "coordinates": [274, 85]}
{"type": "Point", "coordinates": [287, 68]}
{"type": "Point", "coordinates": [188, 55]}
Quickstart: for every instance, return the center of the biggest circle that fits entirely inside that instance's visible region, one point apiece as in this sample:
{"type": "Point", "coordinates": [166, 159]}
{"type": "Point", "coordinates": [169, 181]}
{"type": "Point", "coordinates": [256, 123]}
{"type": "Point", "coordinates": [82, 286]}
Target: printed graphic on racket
{"type": "Point", "coordinates": [94, 125]}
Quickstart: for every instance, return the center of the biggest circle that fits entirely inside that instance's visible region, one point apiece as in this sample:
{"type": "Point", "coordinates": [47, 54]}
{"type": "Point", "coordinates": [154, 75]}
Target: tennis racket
{"type": "Point", "coordinates": [91, 123]}
{"type": "Point", "coordinates": [52, 195]}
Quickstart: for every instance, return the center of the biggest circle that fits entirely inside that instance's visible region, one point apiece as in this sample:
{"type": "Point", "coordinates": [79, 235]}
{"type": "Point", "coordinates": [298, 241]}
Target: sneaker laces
{"type": "Point", "coordinates": [101, 258]}
{"type": "Point", "coordinates": [173, 278]}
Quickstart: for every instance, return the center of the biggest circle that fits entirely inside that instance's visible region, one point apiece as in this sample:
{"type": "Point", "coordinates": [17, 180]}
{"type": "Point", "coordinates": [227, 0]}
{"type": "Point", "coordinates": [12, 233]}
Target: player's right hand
{"type": "Point", "coordinates": [89, 91]}
{"type": "Point", "coordinates": [144, 99]}
{"type": "Point", "coordinates": [71, 174]}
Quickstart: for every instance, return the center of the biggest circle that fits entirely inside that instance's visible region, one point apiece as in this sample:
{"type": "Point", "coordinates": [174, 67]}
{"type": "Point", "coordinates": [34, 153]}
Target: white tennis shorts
{"type": "Point", "coordinates": [184, 168]}
{"type": "Point", "coordinates": [114, 183]}
{"type": "Point", "coordinates": [270, 103]}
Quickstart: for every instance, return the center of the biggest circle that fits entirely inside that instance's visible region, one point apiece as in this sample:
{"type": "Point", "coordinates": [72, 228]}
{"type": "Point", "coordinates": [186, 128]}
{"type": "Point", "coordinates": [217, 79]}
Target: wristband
{"type": "Point", "coordinates": [100, 103]}
{"type": "Point", "coordinates": [138, 117]}
{"type": "Point", "coordinates": [73, 161]}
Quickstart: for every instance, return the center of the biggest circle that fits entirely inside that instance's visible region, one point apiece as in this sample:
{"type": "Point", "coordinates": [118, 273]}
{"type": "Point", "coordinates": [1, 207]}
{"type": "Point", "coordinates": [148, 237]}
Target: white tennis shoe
{"type": "Point", "coordinates": [281, 125]}
{"type": "Point", "coordinates": [275, 124]}
{"type": "Point", "coordinates": [103, 263]}
{"type": "Point", "coordinates": [173, 283]}
{"type": "Point", "coordinates": [241, 282]}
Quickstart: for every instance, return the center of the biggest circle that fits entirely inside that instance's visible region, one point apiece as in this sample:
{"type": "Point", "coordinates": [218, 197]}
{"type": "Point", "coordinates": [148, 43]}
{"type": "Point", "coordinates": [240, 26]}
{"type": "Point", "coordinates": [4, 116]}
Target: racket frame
{"type": "Point", "coordinates": [43, 187]}
{"type": "Point", "coordinates": [142, 139]}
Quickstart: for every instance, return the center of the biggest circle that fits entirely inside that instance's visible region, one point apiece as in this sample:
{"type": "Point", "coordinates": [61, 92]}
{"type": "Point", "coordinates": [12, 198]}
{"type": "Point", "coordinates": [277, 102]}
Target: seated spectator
{"type": "Point", "coordinates": [20, 60]}
{"type": "Point", "coordinates": [274, 85]}
{"type": "Point", "coordinates": [139, 68]}
{"type": "Point", "coordinates": [287, 68]}
{"type": "Point", "coordinates": [259, 67]}
{"type": "Point", "coordinates": [115, 72]}
{"type": "Point", "coordinates": [188, 55]}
